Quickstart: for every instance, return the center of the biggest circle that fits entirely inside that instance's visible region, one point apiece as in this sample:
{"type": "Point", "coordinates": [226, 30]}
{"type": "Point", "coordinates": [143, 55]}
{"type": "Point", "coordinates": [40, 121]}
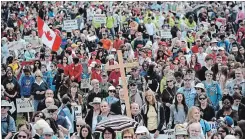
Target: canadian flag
{"type": "Point", "coordinates": [48, 36]}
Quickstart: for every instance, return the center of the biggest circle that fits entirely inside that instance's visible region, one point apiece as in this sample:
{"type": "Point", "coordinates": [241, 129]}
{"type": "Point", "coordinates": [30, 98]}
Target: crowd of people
{"type": "Point", "coordinates": [191, 69]}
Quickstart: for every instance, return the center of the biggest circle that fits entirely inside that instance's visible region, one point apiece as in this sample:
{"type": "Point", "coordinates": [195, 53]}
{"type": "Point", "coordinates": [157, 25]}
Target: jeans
{"type": "Point", "coordinates": [35, 104]}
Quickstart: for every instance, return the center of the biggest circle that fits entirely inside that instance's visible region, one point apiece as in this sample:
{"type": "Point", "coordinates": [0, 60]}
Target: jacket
{"type": "Point", "coordinates": [76, 71]}
{"type": "Point", "coordinates": [160, 114]}
{"type": "Point", "coordinates": [36, 87]}
{"type": "Point", "coordinates": [116, 108]}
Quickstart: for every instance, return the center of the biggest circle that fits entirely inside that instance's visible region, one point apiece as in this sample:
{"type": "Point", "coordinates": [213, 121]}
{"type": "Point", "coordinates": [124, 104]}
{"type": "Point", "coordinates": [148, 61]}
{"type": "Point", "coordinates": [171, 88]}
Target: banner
{"type": "Point", "coordinates": [69, 25]}
{"type": "Point", "coordinates": [85, 83]}
{"type": "Point", "coordinates": [166, 34]}
{"type": "Point", "coordinates": [213, 126]}
{"type": "Point", "coordinates": [24, 105]}
{"type": "Point", "coordinates": [100, 18]}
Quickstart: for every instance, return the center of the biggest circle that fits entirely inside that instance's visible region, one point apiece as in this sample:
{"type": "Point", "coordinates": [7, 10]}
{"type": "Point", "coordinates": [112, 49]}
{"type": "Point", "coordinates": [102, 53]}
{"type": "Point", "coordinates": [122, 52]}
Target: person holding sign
{"type": "Point", "coordinates": [8, 126]}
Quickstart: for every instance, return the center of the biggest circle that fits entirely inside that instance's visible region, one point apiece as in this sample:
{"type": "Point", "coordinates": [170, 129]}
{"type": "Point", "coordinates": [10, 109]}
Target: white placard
{"type": "Point", "coordinates": [24, 105]}
{"type": "Point", "coordinates": [85, 83]}
{"type": "Point", "coordinates": [78, 111]}
{"type": "Point", "coordinates": [166, 34]}
{"type": "Point", "coordinates": [13, 109]}
{"type": "Point", "coordinates": [100, 18]}
{"type": "Point", "coordinates": [169, 134]}
{"type": "Point", "coordinates": [69, 25]}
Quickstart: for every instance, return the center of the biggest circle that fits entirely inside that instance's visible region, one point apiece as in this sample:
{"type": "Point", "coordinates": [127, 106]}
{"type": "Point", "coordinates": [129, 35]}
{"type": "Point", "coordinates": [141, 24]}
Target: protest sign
{"type": "Point", "coordinates": [27, 38]}
{"type": "Point", "coordinates": [85, 83]}
{"type": "Point", "coordinates": [69, 25]}
{"type": "Point", "coordinates": [78, 111]}
{"type": "Point", "coordinates": [169, 134]}
{"type": "Point", "coordinates": [213, 126]}
{"type": "Point", "coordinates": [166, 34]}
{"type": "Point", "coordinates": [24, 105]}
{"type": "Point", "coordinates": [13, 109]}
{"type": "Point", "coordinates": [100, 18]}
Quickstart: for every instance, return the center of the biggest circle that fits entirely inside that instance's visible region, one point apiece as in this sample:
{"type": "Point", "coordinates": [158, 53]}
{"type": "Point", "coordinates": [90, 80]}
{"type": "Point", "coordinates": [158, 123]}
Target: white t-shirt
{"type": "Point", "coordinates": [150, 29]}
{"type": "Point", "coordinates": [201, 58]}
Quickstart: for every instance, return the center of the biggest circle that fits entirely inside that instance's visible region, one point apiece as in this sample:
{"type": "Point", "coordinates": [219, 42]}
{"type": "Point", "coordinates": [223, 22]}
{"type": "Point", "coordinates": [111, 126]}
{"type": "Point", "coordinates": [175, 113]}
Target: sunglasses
{"type": "Point", "coordinates": [133, 85]}
{"type": "Point", "coordinates": [51, 111]}
{"type": "Point", "coordinates": [40, 116]}
{"type": "Point", "coordinates": [113, 91]}
{"type": "Point", "coordinates": [169, 81]}
{"type": "Point", "coordinates": [47, 135]}
{"type": "Point", "coordinates": [226, 103]}
{"type": "Point", "coordinates": [4, 107]}
{"type": "Point", "coordinates": [142, 134]}
{"type": "Point", "coordinates": [187, 79]}
{"type": "Point", "coordinates": [221, 131]}
{"type": "Point", "coordinates": [79, 125]}
{"type": "Point", "coordinates": [202, 98]}
{"type": "Point", "coordinates": [38, 76]}
{"type": "Point", "coordinates": [22, 136]}
{"type": "Point", "coordinates": [118, 88]}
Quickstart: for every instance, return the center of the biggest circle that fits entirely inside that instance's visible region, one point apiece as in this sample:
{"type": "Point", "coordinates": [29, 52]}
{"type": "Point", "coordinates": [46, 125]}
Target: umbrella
{"type": "Point", "coordinates": [117, 123]}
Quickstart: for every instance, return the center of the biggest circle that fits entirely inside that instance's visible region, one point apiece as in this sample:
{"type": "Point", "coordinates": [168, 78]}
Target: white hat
{"type": "Point", "coordinates": [181, 131]}
{"type": "Point", "coordinates": [221, 48]}
{"type": "Point", "coordinates": [142, 129]}
{"type": "Point", "coordinates": [112, 88]}
{"type": "Point", "coordinates": [214, 48]}
{"type": "Point", "coordinates": [111, 57]}
{"type": "Point", "coordinates": [96, 100]}
{"type": "Point", "coordinates": [214, 41]}
{"type": "Point", "coordinates": [48, 131]}
{"type": "Point", "coordinates": [234, 49]}
{"type": "Point", "coordinates": [5, 103]}
{"type": "Point", "coordinates": [200, 85]}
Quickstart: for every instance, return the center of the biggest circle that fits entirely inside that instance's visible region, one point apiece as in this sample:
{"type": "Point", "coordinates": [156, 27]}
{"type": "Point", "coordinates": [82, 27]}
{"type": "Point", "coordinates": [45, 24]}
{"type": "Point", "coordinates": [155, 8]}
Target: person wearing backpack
{"type": "Point", "coordinates": [8, 127]}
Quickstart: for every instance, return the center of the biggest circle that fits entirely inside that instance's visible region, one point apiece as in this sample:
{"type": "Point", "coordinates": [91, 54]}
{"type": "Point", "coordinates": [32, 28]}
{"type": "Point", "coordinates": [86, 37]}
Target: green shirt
{"type": "Point", "coordinates": [109, 22]}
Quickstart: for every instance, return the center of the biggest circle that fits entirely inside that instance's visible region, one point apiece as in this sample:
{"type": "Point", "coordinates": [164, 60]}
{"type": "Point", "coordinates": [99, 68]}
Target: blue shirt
{"type": "Point", "coordinates": [25, 85]}
{"type": "Point", "coordinates": [205, 126]}
{"type": "Point", "coordinates": [7, 127]}
{"type": "Point", "coordinates": [190, 94]}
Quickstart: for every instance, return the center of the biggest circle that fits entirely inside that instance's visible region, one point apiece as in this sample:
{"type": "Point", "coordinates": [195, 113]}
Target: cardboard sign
{"type": "Point", "coordinates": [78, 111]}
{"type": "Point", "coordinates": [24, 105]}
{"type": "Point", "coordinates": [85, 83]}
{"type": "Point", "coordinates": [100, 18]}
{"type": "Point", "coordinates": [166, 34]}
{"type": "Point", "coordinates": [69, 25]}
{"type": "Point", "coordinates": [213, 126]}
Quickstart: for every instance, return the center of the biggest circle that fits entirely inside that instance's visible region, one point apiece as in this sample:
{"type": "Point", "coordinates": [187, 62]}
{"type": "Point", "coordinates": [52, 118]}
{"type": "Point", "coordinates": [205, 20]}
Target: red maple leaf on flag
{"type": "Point", "coordinates": [47, 34]}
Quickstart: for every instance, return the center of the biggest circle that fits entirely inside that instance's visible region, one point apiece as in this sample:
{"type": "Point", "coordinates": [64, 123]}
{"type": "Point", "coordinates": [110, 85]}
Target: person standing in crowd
{"type": "Point", "coordinates": [8, 127]}
{"type": "Point", "coordinates": [153, 114]}
{"type": "Point", "coordinates": [207, 111]}
{"type": "Point", "coordinates": [213, 90]}
{"type": "Point", "coordinates": [178, 111]}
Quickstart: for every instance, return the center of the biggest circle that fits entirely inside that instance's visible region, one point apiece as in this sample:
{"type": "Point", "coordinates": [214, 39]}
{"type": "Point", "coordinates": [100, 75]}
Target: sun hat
{"type": "Point", "coordinates": [96, 100]}
{"type": "Point", "coordinates": [214, 41]}
{"type": "Point", "coordinates": [200, 85]}
{"type": "Point", "coordinates": [142, 129]}
{"type": "Point", "coordinates": [48, 131]}
{"type": "Point", "coordinates": [5, 103]}
{"type": "Point", "coordinates": [111, 57]}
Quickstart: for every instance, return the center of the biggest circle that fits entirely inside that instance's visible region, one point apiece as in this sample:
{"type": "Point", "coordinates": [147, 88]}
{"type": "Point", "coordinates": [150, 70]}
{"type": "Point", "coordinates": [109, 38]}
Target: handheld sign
{"type": "Point", "coordinates": [69, 25]}
{"type": "Point", "coordinates": [100, 18]}
{"type": "Point", "coordinates": [85, 83]}
{"type": "Point", "coordinates": [213, 126]}
{"type": "Point", "coordinates": [24, 105]}
{"type": "Point", "coordinates": [122, 67]}
{"type": "Point", "coordinates": [166, 34]}
{"type": "Point", "coordinates": [78, 111]}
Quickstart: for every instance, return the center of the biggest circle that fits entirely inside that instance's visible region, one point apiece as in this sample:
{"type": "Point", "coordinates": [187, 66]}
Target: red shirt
{"type": "Point", "coordinates": [194, 49]}
{"type": "Point", "coordinates": [117, 44]}
{"type": "Point", "coordinates": [95, 75]}
{"type": "Point", "coordinates": [213, 56]}
{"type": "Point", "coordinates": [114, 75]}
{"type": "Point", "coordinates": [65, 68]}
{"type": "Point", "coordinates": [96, 60]}
{"type": "Point", "coordinates": [76, 71]}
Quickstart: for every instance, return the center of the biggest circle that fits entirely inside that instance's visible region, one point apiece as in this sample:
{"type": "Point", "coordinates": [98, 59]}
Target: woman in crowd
{"type": "Point", "coordinates": [55, 127]}
{"type": "Point", "coordinates": [207, 112]}
{"type": "Point", "coordinates": [193, 64]}
{"type": "Point", "coordinates": [38, 89]}
{"type": "Point", "coordinates": [226, 110]}
{"type": "Point", "coordinates": [85, 132]}
{"type": "Point", "coordinates": [194, 115]}
{"type": "Point", "coordinates": [23, 134]}
{"type": "Point", "coordinates": [178, 111]}
{"type": "Point", "coordinates": [79, 123]}
{"type": "Point", "coordinates": [64, 88]}
{"type": "Point", "coordinates": [108, 133]}
{"type": "Point", "coordinates": [153, 114]}
{"type": "Point", "coordinates": [36, 66]}
{"type": "Point", "coordinates": [64, 65]}
{"type": "Point", "coordinates": [74, 94]}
